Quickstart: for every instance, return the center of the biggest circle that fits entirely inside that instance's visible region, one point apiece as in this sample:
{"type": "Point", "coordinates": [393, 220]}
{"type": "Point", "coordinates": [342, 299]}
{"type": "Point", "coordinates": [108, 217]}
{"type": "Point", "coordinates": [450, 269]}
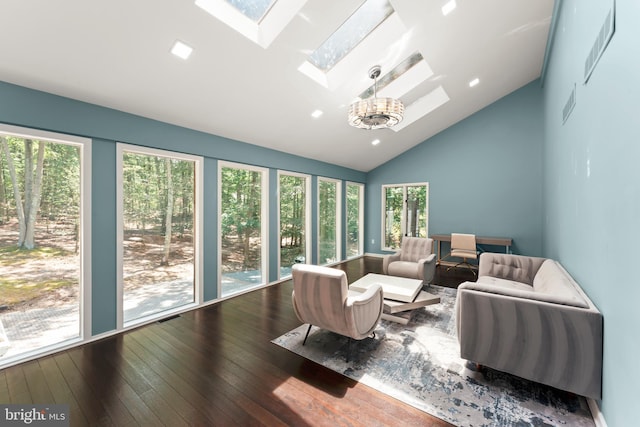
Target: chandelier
{"type": "Point", "coordinates": [375, 113]}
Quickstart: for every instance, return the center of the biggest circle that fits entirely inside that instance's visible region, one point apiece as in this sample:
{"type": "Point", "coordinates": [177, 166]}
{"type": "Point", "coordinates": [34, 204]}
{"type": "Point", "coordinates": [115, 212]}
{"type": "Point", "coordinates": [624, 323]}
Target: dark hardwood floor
{"type": "Point", "coordinates": [208, 367]}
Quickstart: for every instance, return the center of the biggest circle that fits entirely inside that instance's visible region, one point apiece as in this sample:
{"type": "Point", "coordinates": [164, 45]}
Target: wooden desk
{"type": "Point", "coordinates": [480, 240]}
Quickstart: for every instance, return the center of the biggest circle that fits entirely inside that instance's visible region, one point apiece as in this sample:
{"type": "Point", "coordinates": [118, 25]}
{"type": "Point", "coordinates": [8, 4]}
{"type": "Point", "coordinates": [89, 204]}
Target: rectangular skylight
{"type": "Point", "coordinates": [261, 21]}
{"type": "Point", "coordinates": [364, 20]}
{"type": "Point", "coordinates": [252, 9]}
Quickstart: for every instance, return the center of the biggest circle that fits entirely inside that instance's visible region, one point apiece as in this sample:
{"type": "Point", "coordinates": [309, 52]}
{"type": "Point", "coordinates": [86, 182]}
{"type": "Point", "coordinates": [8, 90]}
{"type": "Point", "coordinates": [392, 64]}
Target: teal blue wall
{"type": "Point", "coordinates": [592, 183]}
{"type": "Point", "coordinates": [34, 109]}
{"type": "Point", "coordinates": [484, 175]}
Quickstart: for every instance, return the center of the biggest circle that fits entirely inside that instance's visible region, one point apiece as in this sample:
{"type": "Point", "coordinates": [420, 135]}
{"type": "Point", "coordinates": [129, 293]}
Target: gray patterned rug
{"type": "Point", "coordinates": [420, 365]}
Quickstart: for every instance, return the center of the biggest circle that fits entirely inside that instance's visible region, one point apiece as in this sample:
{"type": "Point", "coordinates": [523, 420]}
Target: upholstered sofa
{"type": "Point", "coordinates": [528, 317]}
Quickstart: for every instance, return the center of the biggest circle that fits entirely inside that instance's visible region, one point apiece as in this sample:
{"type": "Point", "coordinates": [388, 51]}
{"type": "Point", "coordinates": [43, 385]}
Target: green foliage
{"type": "Point", "coordinates": [353, 218]}
{"type": "Point", "coordinates": [327, 221]}
{"type": "Point", "coordinates": [292, 218]}
{"type": "Point", "coordinates": [145, 194]}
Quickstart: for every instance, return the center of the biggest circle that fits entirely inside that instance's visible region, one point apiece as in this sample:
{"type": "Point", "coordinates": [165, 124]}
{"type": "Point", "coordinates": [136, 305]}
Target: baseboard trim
{"type": "Point", "coordinates": [598, 417]}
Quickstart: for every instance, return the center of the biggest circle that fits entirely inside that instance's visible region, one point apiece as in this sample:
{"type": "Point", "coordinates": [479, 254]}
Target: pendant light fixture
{"type": "Point", "coordinates": [376, 113]}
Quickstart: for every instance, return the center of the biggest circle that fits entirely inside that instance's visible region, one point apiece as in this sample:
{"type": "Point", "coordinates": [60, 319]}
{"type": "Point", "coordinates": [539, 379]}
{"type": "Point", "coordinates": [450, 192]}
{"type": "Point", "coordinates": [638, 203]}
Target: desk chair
{"type": "Point", "coordinates": [463, 246]}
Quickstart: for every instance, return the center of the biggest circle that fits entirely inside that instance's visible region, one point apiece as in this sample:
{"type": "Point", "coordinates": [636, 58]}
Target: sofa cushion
{"type": "Point", "coordinates": [553, 281]}
{"type": "Point", "coordinates": [517, 268]}
{"type": "Point", "coordinates": [504, 283]}
{"type": "Point", "coordinates": [403, 269]}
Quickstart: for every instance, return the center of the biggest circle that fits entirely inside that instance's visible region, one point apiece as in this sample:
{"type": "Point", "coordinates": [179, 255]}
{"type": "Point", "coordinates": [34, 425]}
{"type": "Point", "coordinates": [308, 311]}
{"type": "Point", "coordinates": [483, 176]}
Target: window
{"type": "Point", "coordinates": [294, 208]}
{"type": "Point", "coordinates": [243, 227]}
{"type": "Point", "coordinates": [358, 26]}
{"type": "Point", "coordinates": [261, 21]}
{"type": "Point", "coordinates": [405, 212]}
{"type": "Point", "coordinates": [45, 240]}
{"type": "Point", "coordinates": [252, 9]}
{"type": "Point", "coordinates": [329, 218]}
{"type": "Point", "coordinates": [355, 219]}
{"type": "Point", "coordinates": [157, 225]}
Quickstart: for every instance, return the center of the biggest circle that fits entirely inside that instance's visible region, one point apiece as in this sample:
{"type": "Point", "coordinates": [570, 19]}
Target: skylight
{"type": "Point", "coordinates": [252, 9]}
{"type": "Point", "coordinates": [261, 21]}
{"type": "Point", "coordinates": [358, 26]}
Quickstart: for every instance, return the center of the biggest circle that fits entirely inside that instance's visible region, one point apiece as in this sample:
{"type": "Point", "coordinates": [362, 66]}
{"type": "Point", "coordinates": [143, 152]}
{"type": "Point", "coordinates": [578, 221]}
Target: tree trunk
{"type": "Point", "coordinates": [34, 199]}
{"type": "Point", "coordinates": [3, 195]}
{"type": "Point", "coordinates": [169, 214]}
{"type": "Point", "coordinates": [28, 176]}
{"type": "Point", "coordinates": [16, 191]}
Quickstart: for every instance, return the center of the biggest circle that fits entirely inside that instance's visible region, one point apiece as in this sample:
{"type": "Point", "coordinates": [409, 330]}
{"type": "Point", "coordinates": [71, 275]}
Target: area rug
{"type": "Point", "coordinates": [419, 364]}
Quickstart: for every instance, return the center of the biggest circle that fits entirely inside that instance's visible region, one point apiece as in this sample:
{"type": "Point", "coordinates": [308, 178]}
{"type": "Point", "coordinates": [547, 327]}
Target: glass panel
{"type": "Point", "coordinates": [252, 9]}
{"type": "Point", "coordinates": [327, 222]}
{"type": "Point", "coordinates": [293, 203]}
{"type": "Point", "coordinates": [358, 26]}
{"type": "Point", "coordinates": [354, 219]}
{"type": "Point", "coordinates": [416, 218]}
{"type": "Point", "coordinates": [393, 217]}
{"type": "Point", "coordinates": [158, 202]}
{"type": "Point", "coordinates": [40, 244]}
{"type": "Point", "coordinates": [241, 216]}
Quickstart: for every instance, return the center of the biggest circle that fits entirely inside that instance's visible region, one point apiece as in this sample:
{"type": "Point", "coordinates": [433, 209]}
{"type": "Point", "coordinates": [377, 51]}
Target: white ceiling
{"type": "Point", "coordinates": [116, 54]}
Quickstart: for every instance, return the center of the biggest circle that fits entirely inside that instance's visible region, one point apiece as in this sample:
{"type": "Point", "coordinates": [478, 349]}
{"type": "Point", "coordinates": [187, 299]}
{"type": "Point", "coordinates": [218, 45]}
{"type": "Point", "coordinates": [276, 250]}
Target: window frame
{"type": "Point", "coordinates": [403, 225]}
{"type": "Point", "coordinates": [264, 224]}
{"type": "Point", "coordinates": [361, 194]}
{"type": "Point", "coordinates": [338, 233]}
{"type": "Point", "coordinates": [84, 298]}
{"type": "Point", "coordinates": [121, 148]}
{"type": "Point", "coordinates": [307, 219]}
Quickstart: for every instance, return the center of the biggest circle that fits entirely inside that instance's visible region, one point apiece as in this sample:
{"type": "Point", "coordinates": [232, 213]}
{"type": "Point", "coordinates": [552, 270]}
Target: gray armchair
{"type": "Point", "coordinates": [321, 297]}
{"type": "Point", "coordinates": [414, 260]}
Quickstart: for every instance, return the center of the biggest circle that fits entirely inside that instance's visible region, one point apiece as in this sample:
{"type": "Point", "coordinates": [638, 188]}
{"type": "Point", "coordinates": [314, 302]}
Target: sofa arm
{"type": "Point", "coordinates": [427, 268]}
{"type": "Point", "coordinates": [553, 344]}
{"type": "Point", "coordinates": [388, 259]}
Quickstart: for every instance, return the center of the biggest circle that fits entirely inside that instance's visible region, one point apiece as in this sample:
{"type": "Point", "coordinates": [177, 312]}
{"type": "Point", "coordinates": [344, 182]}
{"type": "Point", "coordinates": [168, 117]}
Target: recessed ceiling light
{"type": "Point", "coordinates": [474, 82]}
{"type": "Point", "coordinates": [316, 114]}
{"type": "Point", "coordinates": [181, 50]}
{"type": "Point", "coordinates": [375, 142]}
{"type": "Point", "coordinates": [448, 7]}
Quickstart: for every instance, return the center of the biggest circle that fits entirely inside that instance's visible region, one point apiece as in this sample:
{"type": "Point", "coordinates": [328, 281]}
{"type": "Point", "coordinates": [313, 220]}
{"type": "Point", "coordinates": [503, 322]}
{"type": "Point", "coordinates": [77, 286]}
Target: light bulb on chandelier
{"type": "Point", "coordinates": [376, 113]}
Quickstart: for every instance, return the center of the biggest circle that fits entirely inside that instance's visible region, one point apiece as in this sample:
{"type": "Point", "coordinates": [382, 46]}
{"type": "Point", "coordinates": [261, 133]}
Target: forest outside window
{"type": "Point", "coordinates": [355, 219]}
{"type": "Point", "coordinates": [45, 235]}
{"type": "Point", "coordinates": [294, 207]}
{"type": "Point", "coordinates": [329, 220]}
{"type": "Point", "coordinates": [405, 213]}
{"type": "Point", "coordinates": [243, 201]}
{"type": "Point", "coordinates": [158, 224]}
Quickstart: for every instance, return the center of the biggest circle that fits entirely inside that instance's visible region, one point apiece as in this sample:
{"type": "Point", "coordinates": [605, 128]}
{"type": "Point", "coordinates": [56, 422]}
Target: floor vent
{"type": "Point", "coordinates": [568, 107]}
{"type": "Point", "coordinates": [600, 44]}
{"type": "Point", "coordinates": [166, 319]}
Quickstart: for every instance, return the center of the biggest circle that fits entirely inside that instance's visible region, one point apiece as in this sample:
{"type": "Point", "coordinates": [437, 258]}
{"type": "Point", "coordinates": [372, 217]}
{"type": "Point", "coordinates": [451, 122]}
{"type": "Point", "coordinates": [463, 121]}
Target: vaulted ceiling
{"type": "Point", "coordinates": [261, 89]}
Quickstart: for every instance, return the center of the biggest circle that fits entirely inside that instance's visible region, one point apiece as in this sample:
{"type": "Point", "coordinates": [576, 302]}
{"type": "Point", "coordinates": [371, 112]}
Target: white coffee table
{"type": "Point", "coordinates": [400, 294]}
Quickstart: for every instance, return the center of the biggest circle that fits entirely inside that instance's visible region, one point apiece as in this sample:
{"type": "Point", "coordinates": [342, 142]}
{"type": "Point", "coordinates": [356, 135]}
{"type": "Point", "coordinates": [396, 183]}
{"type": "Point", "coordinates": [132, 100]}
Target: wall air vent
{"type": "Point", "coordinates": [568, 106]}
{"type": "Point", "coordinates": [600, 44]}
